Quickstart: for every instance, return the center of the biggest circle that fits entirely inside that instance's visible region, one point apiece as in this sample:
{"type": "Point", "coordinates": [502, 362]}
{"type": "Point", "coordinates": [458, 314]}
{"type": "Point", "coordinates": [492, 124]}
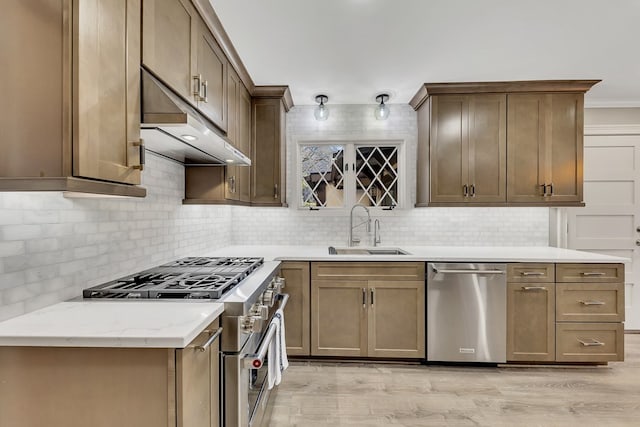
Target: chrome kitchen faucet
{"type": "Point", "coordinates": [352, 240]}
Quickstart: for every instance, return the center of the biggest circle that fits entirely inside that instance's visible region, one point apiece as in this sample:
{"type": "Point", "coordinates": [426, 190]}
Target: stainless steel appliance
{"type": "Point", "coordinates": [251, 292]}
{"type": "Point", "coordinates": [466, 312]}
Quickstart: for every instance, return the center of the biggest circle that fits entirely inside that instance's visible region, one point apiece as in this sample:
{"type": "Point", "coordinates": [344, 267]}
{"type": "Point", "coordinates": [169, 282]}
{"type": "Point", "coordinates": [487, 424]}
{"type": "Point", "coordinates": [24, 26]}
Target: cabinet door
{"type": "Point", "coordinates": [267, 151]}
{"type": "Point", "coordinates": [231, 183]}
{"type": "Point", "coordinates": [197, 382]}
{"type": "Point", "coordinates": [296, 313]}
{"type": "Point", "coordinates": [212, 66]}
{"type": "Point", "coordinates": [487, 149]}
{"type": "Point", "coordinates": [545, 149]}
{"type": "Point", "coordinates": [106, 118]}
{"type": "Point", "coordinates": [531, 322]}
{"type": "Point", "coordinates": [233, 107]}
{"type": "Point", "coordinates": [169, 29]}
{"type": "Point", "coordinates": [244, 183]}
{"type": "Point", "coordinates": [526, 127]}
{"type": "Point", "coordinates": [339, 318]}
{"type": "Point", "coordinates": [244, 121]}
{"type": "Point", "coordinates": [565, 147]}
{"type": "Point", "coordinates": [396, 319]}
{"type": "Point", "coordinates": [449, 148]}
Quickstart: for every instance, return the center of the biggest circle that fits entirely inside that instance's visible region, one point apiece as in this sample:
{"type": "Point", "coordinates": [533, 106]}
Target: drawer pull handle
{"type": "Point", "coordinates": [534, 288]}
{"type": "Point", "coordinates": [592, 273]}
{"type": "Point", "coordinates": [532, 273]}
{"type": "Point", "coordinates": [591, 302]}
{"type": "Point", "coordinates": [592, 343]}
{"type": "Point", "coordinates": [210, 341]}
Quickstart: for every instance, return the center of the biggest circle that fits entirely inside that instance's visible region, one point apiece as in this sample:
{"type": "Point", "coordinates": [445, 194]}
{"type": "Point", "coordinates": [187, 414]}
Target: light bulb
{"type": "Point", "coordinates": [321, 112]}
{"type": "Point", "coordinates": [382, 110]}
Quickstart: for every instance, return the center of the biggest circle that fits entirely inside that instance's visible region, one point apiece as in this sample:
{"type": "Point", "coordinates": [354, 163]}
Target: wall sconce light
{"type": "Point", "coordinates": [321, 112]}
{"type": "Point", "coordinates": [382, 110]}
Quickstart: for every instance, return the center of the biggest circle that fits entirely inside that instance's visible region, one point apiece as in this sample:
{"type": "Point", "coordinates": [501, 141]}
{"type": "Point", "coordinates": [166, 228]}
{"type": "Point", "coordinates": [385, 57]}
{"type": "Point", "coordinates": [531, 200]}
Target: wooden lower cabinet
{"type": "Point", "coordinates": [396, 319]}
{"type": "Point", "coordinates": [589, 342]}
{"type": "Point", "coordinates": [106, 387]}
{"type": "Point", "coordinates": [358, 318]}
{"type": "Point", "coordinates": [339, 318]}
{"type": "Point", "coordinates": [531, 322]}
{"type": "Point", "coordinates": [296, 313]}
{"type": "Point", "coordinates": [565, 312]}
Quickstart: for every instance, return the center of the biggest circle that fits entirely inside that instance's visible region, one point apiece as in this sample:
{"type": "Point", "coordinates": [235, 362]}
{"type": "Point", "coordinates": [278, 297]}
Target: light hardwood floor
{"type": "Point", "coordinates": [355, 394]}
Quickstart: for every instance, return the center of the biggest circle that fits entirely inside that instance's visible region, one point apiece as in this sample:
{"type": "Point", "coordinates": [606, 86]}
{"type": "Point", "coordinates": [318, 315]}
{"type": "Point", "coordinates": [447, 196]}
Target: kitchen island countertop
{"type": "Point", "coordinates": [156, 324]}
{"type": "Point", "coordinates": [424, 253]}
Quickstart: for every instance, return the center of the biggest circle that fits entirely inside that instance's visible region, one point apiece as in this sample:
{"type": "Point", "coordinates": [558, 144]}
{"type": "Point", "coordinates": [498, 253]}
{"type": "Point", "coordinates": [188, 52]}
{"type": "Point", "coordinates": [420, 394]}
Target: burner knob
{"type": "Point", "coordinates": [248, 324]}
{"type": "Point", "coordinates": [259, 311]}
{"type": "Point", "coordinates": [280, 281]}
{"type": "Point", "coordinates": [268, 297]}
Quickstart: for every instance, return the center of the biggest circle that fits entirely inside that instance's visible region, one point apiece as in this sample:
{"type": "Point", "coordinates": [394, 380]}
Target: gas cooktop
{"type": "Point", "coordinates": [187, 278]}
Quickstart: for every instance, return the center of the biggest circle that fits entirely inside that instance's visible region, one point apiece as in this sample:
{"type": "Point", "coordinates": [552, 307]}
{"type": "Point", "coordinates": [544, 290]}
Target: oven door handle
{"type": "Point", "coordinates": [256, 360]}
{"type": "Point", "coordinates": [284, 299]}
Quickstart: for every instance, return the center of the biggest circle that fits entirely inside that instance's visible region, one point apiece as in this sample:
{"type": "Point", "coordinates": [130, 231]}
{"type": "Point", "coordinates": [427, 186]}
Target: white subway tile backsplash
{"type": "Point", "coordinates": [11, 248]}
{"type": "Point", "coordinates": [52, 247]}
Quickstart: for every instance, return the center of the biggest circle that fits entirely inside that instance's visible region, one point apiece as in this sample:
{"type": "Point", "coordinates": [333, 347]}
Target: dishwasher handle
{"type": "Point", "coordinates": [449, 271]}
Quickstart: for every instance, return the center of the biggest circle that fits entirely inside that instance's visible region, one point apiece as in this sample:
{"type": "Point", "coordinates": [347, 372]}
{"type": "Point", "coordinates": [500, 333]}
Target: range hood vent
{"type": "Point", "coordinates": [175, 129]}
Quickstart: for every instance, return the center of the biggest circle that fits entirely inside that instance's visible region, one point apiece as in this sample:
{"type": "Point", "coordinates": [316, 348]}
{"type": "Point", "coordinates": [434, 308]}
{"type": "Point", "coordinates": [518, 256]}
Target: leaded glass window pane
{"type": "Point", "coordinates": [322, 175]}
{"type": "Point", "coordinates": [377, 175]}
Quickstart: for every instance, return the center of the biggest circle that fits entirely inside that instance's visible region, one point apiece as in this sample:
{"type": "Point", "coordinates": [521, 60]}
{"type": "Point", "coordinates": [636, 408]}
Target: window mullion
{"type": "Point", "coordinates": [350, 178]}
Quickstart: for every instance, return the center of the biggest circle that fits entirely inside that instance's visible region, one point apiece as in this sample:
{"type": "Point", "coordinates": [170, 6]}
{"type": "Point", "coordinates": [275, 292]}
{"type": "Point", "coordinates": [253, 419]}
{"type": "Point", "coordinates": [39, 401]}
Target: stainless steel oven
{"type": "Point", "coordinates": [245, 363]}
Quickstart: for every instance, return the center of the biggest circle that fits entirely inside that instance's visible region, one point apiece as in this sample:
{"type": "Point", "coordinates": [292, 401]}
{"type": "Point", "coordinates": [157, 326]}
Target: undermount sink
{"type": "Point", "coordinates": [366, 251]}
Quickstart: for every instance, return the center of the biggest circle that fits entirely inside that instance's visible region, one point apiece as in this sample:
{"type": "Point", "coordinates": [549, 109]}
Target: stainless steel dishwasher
{"type": "Point", "coordinates": [466, 312]}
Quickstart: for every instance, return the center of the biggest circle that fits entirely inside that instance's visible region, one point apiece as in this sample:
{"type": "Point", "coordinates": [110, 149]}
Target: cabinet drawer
{"type": "Point", "coordinates": [590, 302]}
{"type": "Point", "coordinates": [530, 272]}
{"type": "Point", "coordinates": [589, 342]}
{"type": "Point", "coordinates": [594, 273]}
{"type": "Point", "coordinates": [367, 271]}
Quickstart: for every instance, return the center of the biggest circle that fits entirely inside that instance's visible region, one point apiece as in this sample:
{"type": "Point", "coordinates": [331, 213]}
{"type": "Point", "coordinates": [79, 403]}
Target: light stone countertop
{"type": "Point", "coordinates": [153, 324]}
{"type": "Point", "coordinates": [424, 253]}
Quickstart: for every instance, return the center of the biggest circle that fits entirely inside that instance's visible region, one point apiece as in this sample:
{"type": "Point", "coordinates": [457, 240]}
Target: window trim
{"type": "Point", "coordinates": [403, 193]}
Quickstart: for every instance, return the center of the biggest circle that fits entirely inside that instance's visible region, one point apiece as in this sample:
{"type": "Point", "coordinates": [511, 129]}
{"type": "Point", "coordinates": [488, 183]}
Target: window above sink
{"type": "Point", "coordinates": [335, 175]}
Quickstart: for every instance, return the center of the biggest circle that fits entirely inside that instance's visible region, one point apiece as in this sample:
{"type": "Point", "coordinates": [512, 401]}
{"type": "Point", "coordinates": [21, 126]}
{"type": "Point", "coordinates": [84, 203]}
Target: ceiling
{"type": "Point", "coordinates": [353, 49]}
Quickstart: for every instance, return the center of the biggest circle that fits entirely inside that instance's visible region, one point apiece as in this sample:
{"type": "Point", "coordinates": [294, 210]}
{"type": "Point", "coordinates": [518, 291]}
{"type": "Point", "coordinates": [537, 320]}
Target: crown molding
{"type": "Point", "coordinates": [612, 129]}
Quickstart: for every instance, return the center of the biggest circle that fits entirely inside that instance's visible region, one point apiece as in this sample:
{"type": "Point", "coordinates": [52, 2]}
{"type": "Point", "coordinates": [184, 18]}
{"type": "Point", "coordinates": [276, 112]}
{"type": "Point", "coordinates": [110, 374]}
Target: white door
{"type": "Point", "coordinates": [609, 224]}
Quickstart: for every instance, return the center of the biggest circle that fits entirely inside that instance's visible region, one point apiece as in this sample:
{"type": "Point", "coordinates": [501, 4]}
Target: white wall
{"type": "Point", "coordinates": [411, 226]}
{"type": "Point", "coordinates": [51, 247]}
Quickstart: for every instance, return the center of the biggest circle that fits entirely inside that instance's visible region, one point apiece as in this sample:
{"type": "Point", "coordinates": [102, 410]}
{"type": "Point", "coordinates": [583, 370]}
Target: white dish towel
{"type": "Point", "coordinates": [273, 365]}
{"type": "Point", "coordinates": [284, 362]}
{"type": "Point", "coordinates": [277, 360]}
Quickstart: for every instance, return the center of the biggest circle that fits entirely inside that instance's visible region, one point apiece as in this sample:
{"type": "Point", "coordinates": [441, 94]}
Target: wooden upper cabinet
{"type": "Point", "coordinates": [500, 143]}
{"type": "Point", "coordinates": [88, 98]}
{"type": "Point", "coordinates": [268, 152]}
{"type": "Point", "coordinates": [468, 149]}
{"type": "Point", "coordinates": [169, 30]}
{"type": "Point", "coordinates": [212, 70]}
{"type": "Point", "coordinates": [179, 49]}
{"type": "Point", "coordinates": [545, 148]}
{"type": "Point", "coordinates": [106, 114]}
{"type": "Point", "coordinates": [233, 107]}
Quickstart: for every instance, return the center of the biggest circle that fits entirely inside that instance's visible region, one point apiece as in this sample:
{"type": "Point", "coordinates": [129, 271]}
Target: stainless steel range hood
{"type": "Point", "coordinates": [175, 129]}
